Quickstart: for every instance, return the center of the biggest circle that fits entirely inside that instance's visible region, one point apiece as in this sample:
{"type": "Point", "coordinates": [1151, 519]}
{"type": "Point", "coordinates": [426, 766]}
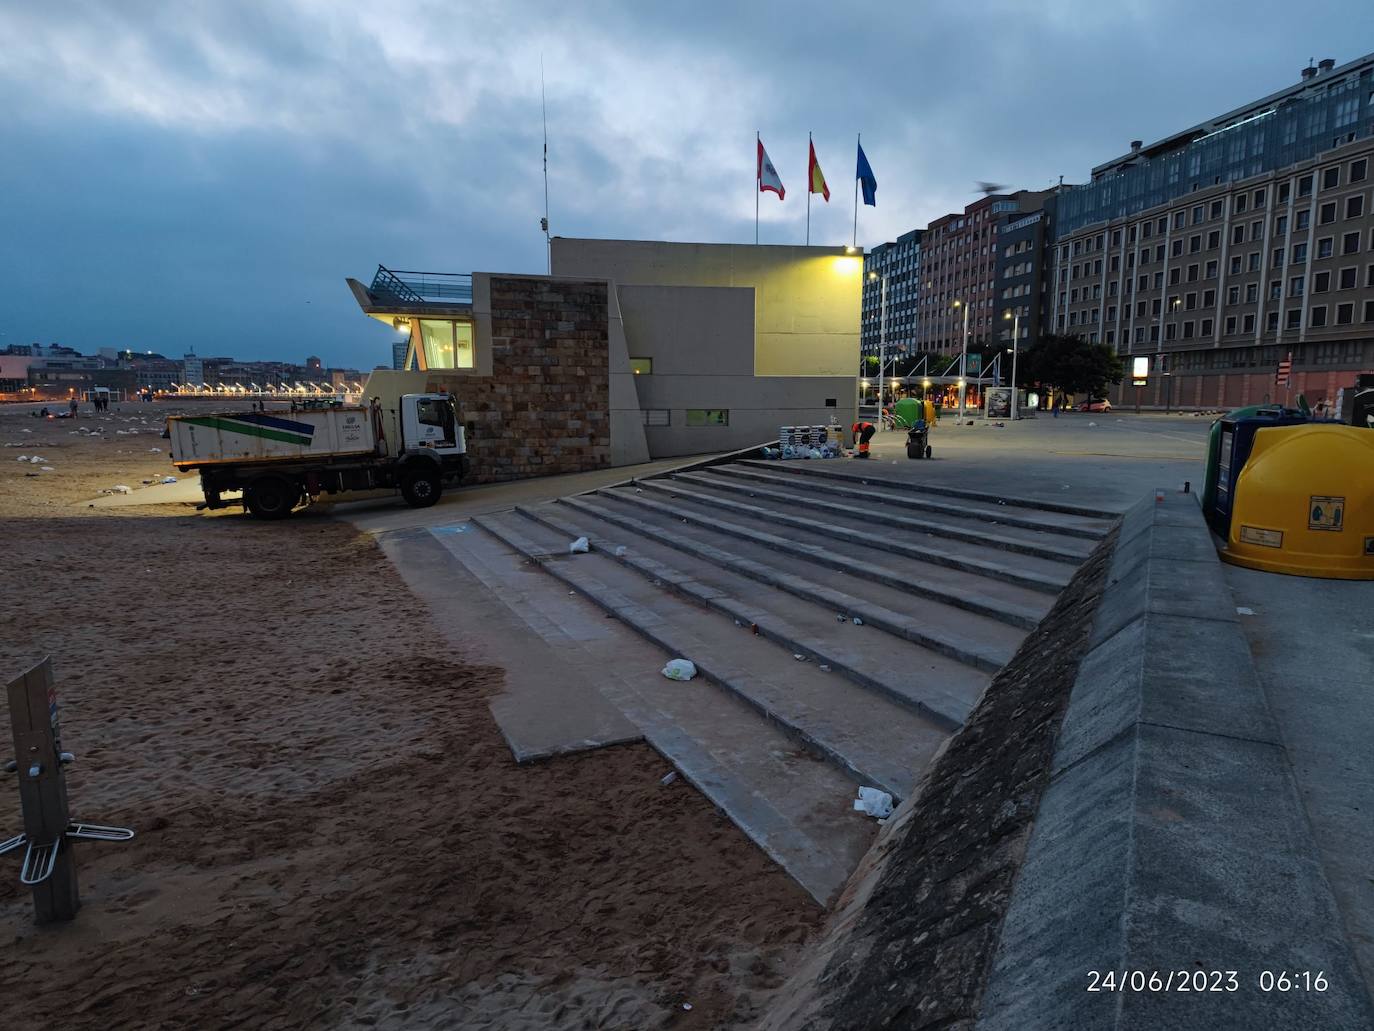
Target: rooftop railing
{"type": "Point", "coordinates": [403, 287]}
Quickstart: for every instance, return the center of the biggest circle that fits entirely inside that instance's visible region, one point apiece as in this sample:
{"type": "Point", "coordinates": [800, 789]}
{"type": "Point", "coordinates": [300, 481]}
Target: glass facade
{"type": "Point", "coordinates": [1295, 129]}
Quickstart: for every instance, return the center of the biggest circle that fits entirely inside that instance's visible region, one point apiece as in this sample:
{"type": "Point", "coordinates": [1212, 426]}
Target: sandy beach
{"type": "Point", "coordinates": [331, 832]}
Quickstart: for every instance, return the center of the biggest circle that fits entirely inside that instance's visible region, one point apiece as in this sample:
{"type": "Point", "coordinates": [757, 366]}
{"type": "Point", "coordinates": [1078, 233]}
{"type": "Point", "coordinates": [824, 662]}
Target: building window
{"type": "Point", "coordinates": [1233, 295]}
{"type": "Point", "coordinates": [1369, 311]}
{"type": "Point", "coordinates": [1321, 282]}
{"type": "Point", "coordinates": [1275, 289]}
{"type": "Point", "coordinates": [1295, 286]}
{"type": "Point", "coordinates": [1350, 243]}
{"type": "Point", "coordinates": [1345, 314]}
{"type": "Point", "coordinates": [1316, 318]}
{"type": "Point", "coordinates": [1179, 217]}
{"type": "Point", "coordinates": [1299, 253]}
{"type": "Point", "coordinates": [1248, 323]}
{"type": "Point", "coordinates": [1284, 192]}
{"type": "Point", "coordinates": [1236, 262]}
{"type": "Point", "coordinates": [447, 344]}
{"type": "Point", "coordinates": [1177, 249]}
{"type": "Point", "coordinates": [1252, 293]}
{"type": "Point", "coordinates": [1278, 257]}
{"type": "Point", "coordinates": [1281, 225]}
{"type": "Point", "coordinates": [1237, 234]}
{"type": "Point", "coordinates": [1294, 320]}
{"type": "Point", "coordinates": [1305, 186]}
{"type": "Point", "coordinates": [1230, 324]}
{"type": "Point", "coordinates": [1324, 246]}
{"type": "Point", "coordinates": [1197, 213]}
{"type": "Point", "coordinates": [641, 366]}
{"type": "Point", "coordinates": [1214, 239]}
{"type": "Point", "coordinates": [657, 417]}
{"type": "Point", "coordinates": [1192, 273]}
{"type": "Point", "coordinates": [1358, 170]}
{"type": "Point", "coordinates": [1211, 269]}
{"type": "Point", "coordinates": [1194, 243]}
{"type": "Point", "coordinates": [1188, 330]}
{"type": "Point", "coordinates": [1170, 332]}
{"type": "Point", "coordinates": [1209, 298]}
{"type": "Point", "coordinates": [1348, 278]}
{"type": "Point", "coordinates": [708, 417]}
{"type": "Point", "coordinates": [1239, 203]}
{"type": "Point", "coordinates": [1259, 198]}
{"type": "Point", "coordinates": [1304, 219]}
{"type": "Point", "coordinates": [1354, 206]}
{"type": "Point", "coordinates": [1175, 274]}
{"type": "Point", "coordinates": [1272, 322]}
{"type": "Point", "coordinates": [1190, 301]}
{"type": "Point", "coordinates": [1327, 214]}
{"type": "Point", "coordinates": [1331, 178]}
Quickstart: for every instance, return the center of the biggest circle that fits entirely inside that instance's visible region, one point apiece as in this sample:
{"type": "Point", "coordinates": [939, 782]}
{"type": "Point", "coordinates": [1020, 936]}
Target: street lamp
{"type": "Point", "coordinates": [1015, 344]}
{"type": "Point", "coordinates": [882, 342]}
{"type": "Point", "coordinates": [1170, 307]}
{"type": "Point", "coordinates": [963, 359]}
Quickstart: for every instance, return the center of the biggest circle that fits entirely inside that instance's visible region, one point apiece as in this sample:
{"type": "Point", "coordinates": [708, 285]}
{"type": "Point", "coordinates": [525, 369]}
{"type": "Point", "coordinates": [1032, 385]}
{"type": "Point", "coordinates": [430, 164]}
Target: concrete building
{"type": "Point", "coordinates": [1024, 251]}
{"type": "Point", "coordinates": [898, 261]}
{"type": "Point", "coordinates": [959, 255]}
{"type": "Point", "coordinates": [632, 350]}
{"type": "Point", "coordinates": [1223, 249]}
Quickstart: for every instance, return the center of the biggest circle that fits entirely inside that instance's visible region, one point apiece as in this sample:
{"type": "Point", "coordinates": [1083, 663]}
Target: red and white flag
{"type": "Point", "coordinates": [768, 175]}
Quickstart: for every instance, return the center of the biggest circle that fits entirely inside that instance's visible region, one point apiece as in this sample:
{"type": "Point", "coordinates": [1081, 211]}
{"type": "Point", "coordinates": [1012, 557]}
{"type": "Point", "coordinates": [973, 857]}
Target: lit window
{"type": "Point", "coordinates": [708, 417]}
{"type": "Point", "coordinates": [641, 366]}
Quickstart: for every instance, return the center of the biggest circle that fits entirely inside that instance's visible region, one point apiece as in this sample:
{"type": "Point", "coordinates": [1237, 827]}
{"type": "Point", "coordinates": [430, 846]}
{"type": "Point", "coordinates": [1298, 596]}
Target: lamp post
{"type": "Point", "coordinates": [1015, 345]}
{"type": "Point", "coordinates": [882, 342]}
{"type": "Point", "coordinates": [1170, 307]}
{"type": "Point", "coordinates": [963, 361]}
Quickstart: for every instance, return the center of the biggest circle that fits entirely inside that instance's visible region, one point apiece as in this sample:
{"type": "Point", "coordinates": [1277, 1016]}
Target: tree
{"type": "Point", "coordinates": [1070, 364]}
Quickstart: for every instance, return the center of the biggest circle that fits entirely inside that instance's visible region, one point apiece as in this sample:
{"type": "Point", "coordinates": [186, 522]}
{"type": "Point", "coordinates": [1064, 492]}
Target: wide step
{"type": "Point", "coordinates": [876, 741]}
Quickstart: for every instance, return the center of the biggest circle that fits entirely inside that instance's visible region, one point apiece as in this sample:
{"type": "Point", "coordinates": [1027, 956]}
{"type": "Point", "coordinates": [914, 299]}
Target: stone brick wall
{"type": "Point", "coordinates": [546, 407]}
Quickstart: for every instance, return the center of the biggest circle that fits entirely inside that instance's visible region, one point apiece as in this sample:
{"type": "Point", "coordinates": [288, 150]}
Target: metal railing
{"type": "Point", "coordinates": [417, 287]}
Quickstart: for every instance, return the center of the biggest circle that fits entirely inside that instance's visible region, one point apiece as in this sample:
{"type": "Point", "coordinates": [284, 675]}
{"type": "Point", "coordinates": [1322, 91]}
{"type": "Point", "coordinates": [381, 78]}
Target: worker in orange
{"type": "Point", "coordinates": [863, 433]}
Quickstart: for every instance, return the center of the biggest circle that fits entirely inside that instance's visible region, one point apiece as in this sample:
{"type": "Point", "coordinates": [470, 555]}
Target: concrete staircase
{"type": "Point", "coordinates": [844, 625]}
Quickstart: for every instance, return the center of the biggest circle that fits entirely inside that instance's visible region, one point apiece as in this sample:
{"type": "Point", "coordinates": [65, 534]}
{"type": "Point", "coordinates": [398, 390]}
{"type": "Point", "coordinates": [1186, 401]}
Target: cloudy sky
{"type": "Point", "coordinates": [204, 173]}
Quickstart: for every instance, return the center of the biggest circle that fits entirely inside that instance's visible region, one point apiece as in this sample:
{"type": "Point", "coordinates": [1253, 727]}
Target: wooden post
{"type": "Point", "coordinates": [43, 788]}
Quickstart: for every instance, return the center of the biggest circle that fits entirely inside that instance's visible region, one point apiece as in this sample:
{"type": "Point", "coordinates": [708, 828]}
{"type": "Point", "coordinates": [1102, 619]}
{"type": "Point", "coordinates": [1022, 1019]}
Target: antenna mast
{"type": "Point", "coordinates": [544, 222]}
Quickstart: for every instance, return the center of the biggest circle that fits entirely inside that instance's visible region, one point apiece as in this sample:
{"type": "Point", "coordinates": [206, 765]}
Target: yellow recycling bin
{"type": "Point", "coordinates": [1304, 503]}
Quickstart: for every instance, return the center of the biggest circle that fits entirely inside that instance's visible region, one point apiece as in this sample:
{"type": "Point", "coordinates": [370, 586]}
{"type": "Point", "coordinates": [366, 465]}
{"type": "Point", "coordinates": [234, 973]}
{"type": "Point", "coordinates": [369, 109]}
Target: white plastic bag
{"type": "Point", "coordinates": [579, 546]}
{"type": "Point", "coordinates": [680, 669]}
{"type": "Point", "coordinates": [874, 803]}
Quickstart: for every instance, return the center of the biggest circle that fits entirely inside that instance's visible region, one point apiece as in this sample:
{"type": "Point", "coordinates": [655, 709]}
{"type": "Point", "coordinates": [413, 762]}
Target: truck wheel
{"type": "Point", "coordinates": [271, 497]}
{"type": "Point", "coordinates": [421, 487]}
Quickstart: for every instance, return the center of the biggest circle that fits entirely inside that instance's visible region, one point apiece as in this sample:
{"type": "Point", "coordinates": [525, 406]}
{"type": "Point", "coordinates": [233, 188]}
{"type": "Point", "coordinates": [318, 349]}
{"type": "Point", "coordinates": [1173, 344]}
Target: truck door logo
{"type": "Point", "coordinates": [1326, 513]}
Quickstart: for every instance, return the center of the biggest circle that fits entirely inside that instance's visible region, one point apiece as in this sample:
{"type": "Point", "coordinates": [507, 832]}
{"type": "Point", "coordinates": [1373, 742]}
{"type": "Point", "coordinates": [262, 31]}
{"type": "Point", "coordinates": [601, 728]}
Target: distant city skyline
{"type": "Point", "coordinates": [205, 177]}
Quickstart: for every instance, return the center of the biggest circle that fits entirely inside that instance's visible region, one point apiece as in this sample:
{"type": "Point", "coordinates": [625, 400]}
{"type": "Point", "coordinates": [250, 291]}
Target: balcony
{"type": "Point", "coordinates": [394, 287]}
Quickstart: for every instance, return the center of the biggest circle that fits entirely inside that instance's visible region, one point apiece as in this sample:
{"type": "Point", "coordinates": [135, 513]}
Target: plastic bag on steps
{"type": "Point", "coordinates": [680, 669]}
{"type": "Point", "coordinates": [579, 546]}
{"type": "Point", "coordinates": [874, 803]}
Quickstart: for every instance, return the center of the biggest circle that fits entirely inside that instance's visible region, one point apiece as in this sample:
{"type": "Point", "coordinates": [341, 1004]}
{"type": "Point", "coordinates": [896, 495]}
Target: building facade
{"type": "Point", "coordinates": [959, 261]}
{"type": "Point", "coordinates": [631, 350]}
{"type": "Point", "coordinates": [1214, 282]}
{"type": "Point", "coordinates": [899, 262]}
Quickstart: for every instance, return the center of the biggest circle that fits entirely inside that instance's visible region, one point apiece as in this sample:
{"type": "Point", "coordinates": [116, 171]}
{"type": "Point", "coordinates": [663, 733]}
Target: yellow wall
{"type": "Point", "coordinates": [806, 299]}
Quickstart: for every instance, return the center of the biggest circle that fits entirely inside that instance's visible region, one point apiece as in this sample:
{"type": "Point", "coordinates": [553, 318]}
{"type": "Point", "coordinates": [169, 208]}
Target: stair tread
{"type": "Point", "coordinates": [883, 506]}
{"type": "Point", "coordinates": [881, 742]}
{"type": "Point", "coordinates": [996, 599]}
{"type": "Point", "coordinates": [1027, 570]}
{"type": "Point", "coordinates": [946, 684]}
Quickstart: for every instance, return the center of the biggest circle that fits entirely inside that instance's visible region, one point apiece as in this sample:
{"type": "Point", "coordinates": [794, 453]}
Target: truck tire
{"type": "Point", "coordinates": [271, 497]}
{"type": "Point", "coordinates": [421, 487]}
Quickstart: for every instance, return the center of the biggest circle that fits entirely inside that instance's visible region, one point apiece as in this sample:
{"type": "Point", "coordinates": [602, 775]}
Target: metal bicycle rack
{"type": "Point", "coordinates": [49, 863]}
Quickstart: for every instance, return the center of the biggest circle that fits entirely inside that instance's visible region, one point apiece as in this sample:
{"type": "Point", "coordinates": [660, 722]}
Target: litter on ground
{"type": "Point", "coordinates": [579, 546]}
{"type": "Point", "coordinates": [680, 669]}
{"type": "Point", "coordinates": [874, 803]}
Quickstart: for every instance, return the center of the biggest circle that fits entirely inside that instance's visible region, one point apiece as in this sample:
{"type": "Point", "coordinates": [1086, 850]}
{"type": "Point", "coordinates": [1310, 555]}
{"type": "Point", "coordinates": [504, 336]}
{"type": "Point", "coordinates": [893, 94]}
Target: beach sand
{"type": "Point", "coordinates": [331, 832]}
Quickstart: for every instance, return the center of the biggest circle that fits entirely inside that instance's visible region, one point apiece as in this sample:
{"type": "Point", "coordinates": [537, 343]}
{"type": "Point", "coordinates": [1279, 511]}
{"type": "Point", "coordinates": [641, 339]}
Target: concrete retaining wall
{"type": "Point", "coordinates": [1171, 837]}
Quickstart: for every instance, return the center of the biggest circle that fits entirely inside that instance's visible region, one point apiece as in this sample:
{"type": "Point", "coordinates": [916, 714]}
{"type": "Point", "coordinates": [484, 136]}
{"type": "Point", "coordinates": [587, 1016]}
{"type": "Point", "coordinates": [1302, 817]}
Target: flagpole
{"type": "Point", "coordinates": [758, 142]}
{"type": "Point", "coordinates": [808, 189]}
{"type": "Point", "coordinates": [855, 243]}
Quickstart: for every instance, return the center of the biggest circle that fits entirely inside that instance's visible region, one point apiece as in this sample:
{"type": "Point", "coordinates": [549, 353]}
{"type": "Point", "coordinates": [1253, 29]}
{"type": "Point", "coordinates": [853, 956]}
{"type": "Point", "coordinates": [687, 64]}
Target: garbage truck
{"type": "Point", "coordinates": [281, 459]}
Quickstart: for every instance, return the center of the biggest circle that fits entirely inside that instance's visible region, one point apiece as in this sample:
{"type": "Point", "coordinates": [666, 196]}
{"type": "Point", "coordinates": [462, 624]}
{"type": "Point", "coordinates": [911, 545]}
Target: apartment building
{"type": "Point", "coordinates": [899, 262]}
{"type": "Point", "coordinates": [959, 260]}
{"type": "Point", "coordinates": [1223, 249]}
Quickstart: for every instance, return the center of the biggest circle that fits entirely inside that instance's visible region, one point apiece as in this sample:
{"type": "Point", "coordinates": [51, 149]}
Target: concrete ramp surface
{"type": "Point", "coordinates": [844, 626]}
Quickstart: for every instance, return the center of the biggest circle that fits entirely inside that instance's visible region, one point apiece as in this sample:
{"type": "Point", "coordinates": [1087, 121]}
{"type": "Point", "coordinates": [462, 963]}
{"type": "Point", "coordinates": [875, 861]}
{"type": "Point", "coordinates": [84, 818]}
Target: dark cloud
{"type": "Point", "coordinates": [206, 174]}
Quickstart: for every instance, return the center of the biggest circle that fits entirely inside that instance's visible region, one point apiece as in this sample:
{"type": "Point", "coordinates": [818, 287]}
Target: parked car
{"type": "Point", "coordinates": [1102, 405]}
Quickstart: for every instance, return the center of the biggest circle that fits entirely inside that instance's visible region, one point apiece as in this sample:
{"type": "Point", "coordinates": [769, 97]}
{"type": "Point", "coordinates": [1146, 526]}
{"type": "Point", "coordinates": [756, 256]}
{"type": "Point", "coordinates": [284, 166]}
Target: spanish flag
{"type": "Point", "coordinates": [815, 177]}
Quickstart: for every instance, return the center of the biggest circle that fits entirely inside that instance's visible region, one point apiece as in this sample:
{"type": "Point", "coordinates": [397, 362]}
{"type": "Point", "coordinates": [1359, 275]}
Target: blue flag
{"type": "Point", "coordinates": [864, 174]}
